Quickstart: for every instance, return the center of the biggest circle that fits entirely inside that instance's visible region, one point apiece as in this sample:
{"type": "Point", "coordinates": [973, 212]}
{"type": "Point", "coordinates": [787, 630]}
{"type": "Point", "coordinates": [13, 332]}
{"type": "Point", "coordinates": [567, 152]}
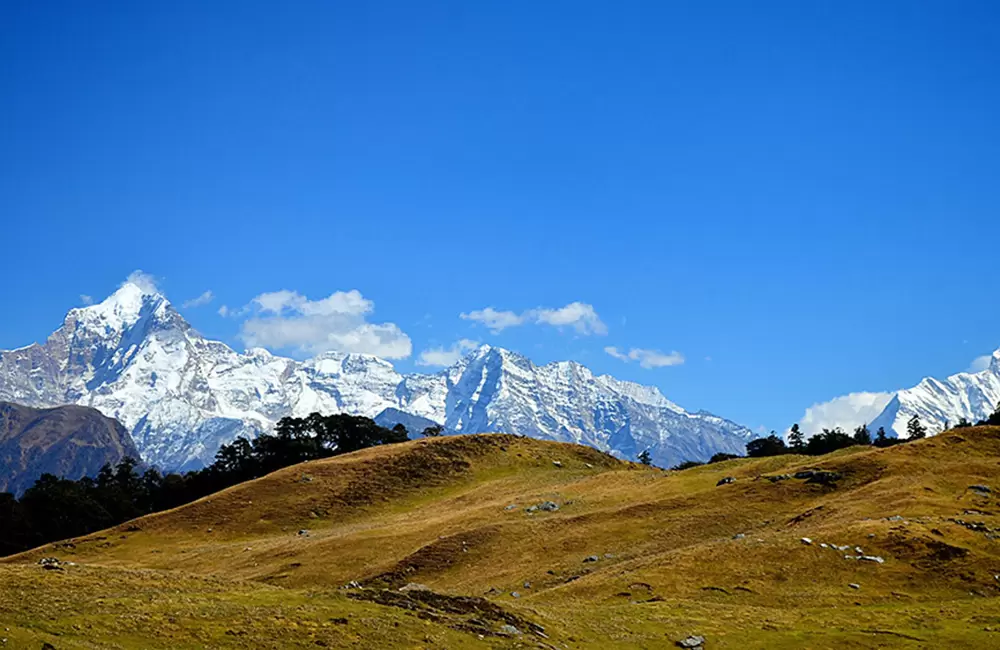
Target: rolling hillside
{"type": "Point", "coordinates": [501, 541]}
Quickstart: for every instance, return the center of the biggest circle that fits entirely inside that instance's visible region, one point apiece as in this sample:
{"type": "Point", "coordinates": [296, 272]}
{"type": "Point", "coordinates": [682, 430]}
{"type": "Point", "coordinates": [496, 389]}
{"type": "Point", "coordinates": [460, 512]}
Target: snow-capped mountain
{"type": "Point", "coordinates": [133, 357]}
{"type": "Point", "coordinates": [973, 396]}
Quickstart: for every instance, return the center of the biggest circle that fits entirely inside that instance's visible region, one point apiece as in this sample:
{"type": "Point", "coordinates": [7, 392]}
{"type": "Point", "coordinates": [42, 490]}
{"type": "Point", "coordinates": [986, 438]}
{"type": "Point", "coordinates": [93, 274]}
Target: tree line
{"type": "Point", "coordinates": [56, 508]}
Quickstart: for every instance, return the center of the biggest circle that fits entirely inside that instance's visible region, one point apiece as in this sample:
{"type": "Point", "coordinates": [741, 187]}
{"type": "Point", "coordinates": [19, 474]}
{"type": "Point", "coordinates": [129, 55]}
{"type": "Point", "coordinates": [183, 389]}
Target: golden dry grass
{"type": "Point", "coordinates": [436, 512]}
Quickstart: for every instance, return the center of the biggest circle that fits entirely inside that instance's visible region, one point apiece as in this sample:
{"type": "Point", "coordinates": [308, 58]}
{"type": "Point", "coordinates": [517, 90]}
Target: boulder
{"type": "Point", "coordinates": [692, 642]}
{"type": "Point", "coordinates": [725, 481]}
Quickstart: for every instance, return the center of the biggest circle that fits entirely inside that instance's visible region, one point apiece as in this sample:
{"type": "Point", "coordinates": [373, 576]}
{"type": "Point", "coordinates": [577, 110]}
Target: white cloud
{"type": "Point", "coordinates": [288, 320]}
{"type": "Point", "coordinates": [85, 299]}
{"type": "Point", "coordinates": [580, 316]}
{"type": "Point", "coordinates": [446, 356]}
{"type": "Point", "coordinates": [980, 364]}
{"type": "Point", "coordinates": [846, 412]}
{"type": "Point", "coordinates": [203, 299]}
{"type": "Point", "coordinates": [145, 281]}
{"type": "Point", "coordinates": [647, 358]}
{"type": "Point", "coordinates": [223, 311]}
{"type": "Point", "coordinates": [495, 320]}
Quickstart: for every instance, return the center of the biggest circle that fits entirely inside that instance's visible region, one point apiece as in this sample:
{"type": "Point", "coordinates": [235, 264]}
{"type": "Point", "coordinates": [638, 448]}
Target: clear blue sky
{"type": "Point", "coordinates": [799, 197]}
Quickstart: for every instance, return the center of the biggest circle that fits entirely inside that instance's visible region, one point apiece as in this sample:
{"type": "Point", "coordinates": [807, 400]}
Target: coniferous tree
{"type": "Point", "coordinates": [915, 430]}
{"type": "Point", "coordinates": [645, 458]}
{"type": "Point", "coordinates": [796, 440]}
{"type": "Point", "coordinates": [862, 436]}
{"type": "Point", "coordinates": [881, 439]}
{"type": "Point", "coordinates": [433, 431]}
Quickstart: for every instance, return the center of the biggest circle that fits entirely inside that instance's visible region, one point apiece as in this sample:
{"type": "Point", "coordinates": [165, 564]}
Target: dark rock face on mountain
{"type": "Point", "coordinates": [68, 441]}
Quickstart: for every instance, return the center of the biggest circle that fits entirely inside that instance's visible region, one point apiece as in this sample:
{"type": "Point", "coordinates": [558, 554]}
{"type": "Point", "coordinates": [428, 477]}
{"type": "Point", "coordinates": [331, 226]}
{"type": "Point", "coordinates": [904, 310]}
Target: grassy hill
{"type": "Point", "coordinates": [441, 547]}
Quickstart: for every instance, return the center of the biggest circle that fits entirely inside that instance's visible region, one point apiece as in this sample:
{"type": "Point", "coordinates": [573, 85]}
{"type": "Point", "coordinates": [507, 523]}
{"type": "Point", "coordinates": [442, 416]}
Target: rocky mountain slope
{"type": "Point", "coordinates": [68, 441]}
{"type": "Point", "coordinates": [134, 357]}
{"type": "Point", "coordinates": [973, 396]}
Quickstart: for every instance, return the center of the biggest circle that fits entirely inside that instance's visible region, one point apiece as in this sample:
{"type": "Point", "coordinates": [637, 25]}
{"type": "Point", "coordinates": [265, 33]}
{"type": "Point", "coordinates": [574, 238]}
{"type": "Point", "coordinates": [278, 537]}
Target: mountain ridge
{"type": "Point", "coordinates": [68, 441]}
{"type": "Point", "coordinates": [972, 396]}
{"type": "Point", "coordinates": [135, 358]}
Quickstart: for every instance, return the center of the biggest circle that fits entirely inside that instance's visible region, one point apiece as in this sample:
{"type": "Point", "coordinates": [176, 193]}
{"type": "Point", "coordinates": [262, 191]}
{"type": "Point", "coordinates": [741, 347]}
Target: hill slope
{"type": "Point", "coordinates": [68, 441]}
{"type": "Point", "coordinates": [632, 557]}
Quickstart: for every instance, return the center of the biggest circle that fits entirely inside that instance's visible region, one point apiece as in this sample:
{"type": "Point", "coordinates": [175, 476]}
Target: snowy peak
{"type": "Point", "coordinates": [938, 403]}
{"type": "Point", "coordinates": [181, 396]}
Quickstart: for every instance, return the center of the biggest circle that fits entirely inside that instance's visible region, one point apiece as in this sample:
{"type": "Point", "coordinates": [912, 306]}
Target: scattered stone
{"type": "Point", "coordinates": [894, 518]}
{"type": "Point", "coordinates": [804, 474]}
{"type": "Point", "coordinates": [778, 477]}
{"type": "Point", "coordinates": [806, 541]}
{"type": "Point", "coordinates": [51, 564]}
{"type": "Point", "coordinates": [985, 489]}
{"type": "Point", "coordinates": [857, 549]}
{"type": "Point", "coordinates": [305, 478]}
{"type": "Point", "coordinates": [527, 585]}
{"type": "Point", "coordinates": [589, 466]}
{"type": "Point", "coordinates": [871, 535]}
{"type": "Point", "coordinates": [824, 478]}
{"type": "Point", "coordinates": [353, 584]}
{"type": "Point", "coordinates": [557, 463]}
{"type": "Point", "coordinates": [531, 509]}
{"type": "Point", "coordinates": [693, 642]}
{"type": "Point", "coordinates": [509, 630]}
{"type": "Point", "coordinates": [609, 556]}
{"type": "Point", "coordinates": [515, 594]}
{"type": "Point", "coordinates": [854, 585]}
{"type": "Point", "coordinates": [414, 586]}
{"type": "Point", "coordinates": [591, 558]}
{"type": "Point", "coordinates": [725, 481]}
{"type": "Point", "coordinates": [739, 536]}
{"type": "Point", "coordinates": [548, 506]}
{"type": "Point", "coordinates": [303, 533]}
{"type": "Point", "coordinates": [823, 545]}
{"type": "Point", "coordinates": [865, 558]}
{"type": "Point", "coordinates": [512, 506]}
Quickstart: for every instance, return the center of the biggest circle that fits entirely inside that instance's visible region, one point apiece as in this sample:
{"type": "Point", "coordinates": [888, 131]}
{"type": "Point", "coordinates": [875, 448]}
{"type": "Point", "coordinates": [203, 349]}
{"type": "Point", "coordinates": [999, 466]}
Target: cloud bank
{"type": "Point", "coordinates": [287, 320]}
{"type": "Point", "coordinates": [580, 316]}
{"type": "Point", "coordinates": [846, 412]}
{"type": "Point", "coordinates": [446, 356]}
{"type": "Point", "coordinates": [647, 358]}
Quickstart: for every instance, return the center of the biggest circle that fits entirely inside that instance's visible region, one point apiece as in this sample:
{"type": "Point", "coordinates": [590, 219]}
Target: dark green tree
{"type": "Point", "coordinates": [862, 435]}
{"type": "Point", "coordinates": [915, 430]}
{"type": "Point", "coordinates": [645, 458]}
{"type": "Point", "coordinates": [883, 440]}
{"type": "Point", "coordinates": [433, 431]}
{"type": "Point", "coordinates": [772, 445]}
{"type": "Point", "coordinates": [828, 440]}
{"type": "Point", "coordinates": [796, 440]}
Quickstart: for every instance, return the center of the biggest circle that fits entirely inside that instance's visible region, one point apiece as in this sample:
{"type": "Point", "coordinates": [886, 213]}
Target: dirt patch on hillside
{"type": "Point", "coordinates": [440, 555]}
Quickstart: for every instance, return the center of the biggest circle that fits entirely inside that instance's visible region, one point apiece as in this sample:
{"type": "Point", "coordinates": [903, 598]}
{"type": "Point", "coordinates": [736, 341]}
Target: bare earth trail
{"type": "Point", "coordinates": [455, 543]}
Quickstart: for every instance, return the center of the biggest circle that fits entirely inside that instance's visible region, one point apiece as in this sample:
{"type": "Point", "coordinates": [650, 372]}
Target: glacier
{"type": "Point", "coordinates": [134, 358]}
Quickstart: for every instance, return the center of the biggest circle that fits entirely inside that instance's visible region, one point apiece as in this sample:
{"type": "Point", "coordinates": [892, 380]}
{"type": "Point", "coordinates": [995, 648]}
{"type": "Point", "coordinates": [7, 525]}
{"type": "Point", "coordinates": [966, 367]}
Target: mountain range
{"type": "Point", "coordinates": [181, 396]}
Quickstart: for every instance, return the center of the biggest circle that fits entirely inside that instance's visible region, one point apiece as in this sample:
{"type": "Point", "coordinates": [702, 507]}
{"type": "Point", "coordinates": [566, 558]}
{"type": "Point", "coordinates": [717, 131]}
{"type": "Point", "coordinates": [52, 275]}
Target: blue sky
{"type": "Point", "coordinates": [800, 199]}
